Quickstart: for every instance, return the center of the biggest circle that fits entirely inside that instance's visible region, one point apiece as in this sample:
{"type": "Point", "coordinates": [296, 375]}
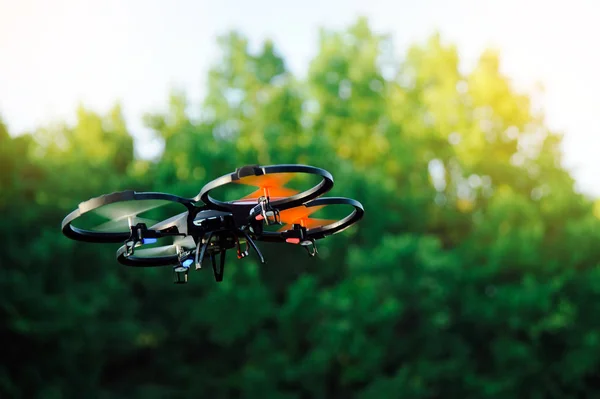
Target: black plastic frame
{"type": "Point", "coordinates": [324, 186]}
{"type": "Point", "coordinates": [323, 231]}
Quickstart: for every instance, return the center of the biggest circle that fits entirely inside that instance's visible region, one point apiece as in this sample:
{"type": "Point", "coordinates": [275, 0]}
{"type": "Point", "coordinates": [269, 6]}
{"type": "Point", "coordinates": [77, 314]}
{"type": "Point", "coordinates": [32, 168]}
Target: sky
{"type": "Point", "coordinates": [57, 54]}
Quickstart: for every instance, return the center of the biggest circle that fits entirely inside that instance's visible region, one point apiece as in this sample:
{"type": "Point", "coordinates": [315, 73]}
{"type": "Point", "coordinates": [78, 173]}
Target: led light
{"type": "Point", "coordinates": [149, 240]}
{"type": "Point", "coordinates": [187, 263]}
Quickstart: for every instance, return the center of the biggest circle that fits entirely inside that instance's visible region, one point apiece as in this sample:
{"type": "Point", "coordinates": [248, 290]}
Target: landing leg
{"type": "Point", "coordinates": [200, 251]}
{"type": "Point", "coordinates": [218, 271]}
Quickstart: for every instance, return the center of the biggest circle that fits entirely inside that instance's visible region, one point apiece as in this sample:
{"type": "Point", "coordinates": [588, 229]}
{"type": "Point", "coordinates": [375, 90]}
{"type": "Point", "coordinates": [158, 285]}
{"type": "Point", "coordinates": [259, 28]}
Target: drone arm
{"type": "Point", "coordinates": [253, 245]}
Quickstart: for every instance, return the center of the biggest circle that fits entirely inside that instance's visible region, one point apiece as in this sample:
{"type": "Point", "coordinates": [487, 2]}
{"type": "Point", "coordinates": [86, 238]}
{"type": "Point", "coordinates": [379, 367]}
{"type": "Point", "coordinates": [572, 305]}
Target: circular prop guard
{"type": "Point", "coordinates": [333, 215]}
{"type": "Point", "coordinates": [287, 186]}
{"type": "Point", "coordinates": [108, 218]}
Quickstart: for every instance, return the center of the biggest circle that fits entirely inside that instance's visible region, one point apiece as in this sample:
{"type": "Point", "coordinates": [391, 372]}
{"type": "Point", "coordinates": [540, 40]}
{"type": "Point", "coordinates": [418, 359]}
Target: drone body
{"type": "Point", "coordinates": [204, 227]}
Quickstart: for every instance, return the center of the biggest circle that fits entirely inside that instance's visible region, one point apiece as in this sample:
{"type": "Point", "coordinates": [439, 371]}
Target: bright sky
{"type": "Point", "coordinates": [55, 54]}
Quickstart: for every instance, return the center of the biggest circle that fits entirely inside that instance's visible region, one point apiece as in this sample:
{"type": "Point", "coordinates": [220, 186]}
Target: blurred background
{"type": "Point", "coordinates": [467, 129]}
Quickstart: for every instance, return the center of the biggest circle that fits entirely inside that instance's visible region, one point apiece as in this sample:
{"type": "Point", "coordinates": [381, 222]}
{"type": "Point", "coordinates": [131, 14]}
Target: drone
{"type": "Point", "coordinates": [193, 230]}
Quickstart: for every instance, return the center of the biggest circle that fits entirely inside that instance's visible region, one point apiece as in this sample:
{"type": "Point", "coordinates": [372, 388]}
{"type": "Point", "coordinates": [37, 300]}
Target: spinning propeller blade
{"type": "Point", "coordinates": [177, 220]}
{"type": "Point", "coordinates": [300, 215]}
{"type": "Point", "coordinates": [125, 209]}
{"type": "Point", "coordinates": [122, 224]}
{"type": "Point", "coordinates": [273, 193]}
{"type": "Point", "coordinates": [271, 185]}
{"type": "Point", "coordinates": [124, 214]}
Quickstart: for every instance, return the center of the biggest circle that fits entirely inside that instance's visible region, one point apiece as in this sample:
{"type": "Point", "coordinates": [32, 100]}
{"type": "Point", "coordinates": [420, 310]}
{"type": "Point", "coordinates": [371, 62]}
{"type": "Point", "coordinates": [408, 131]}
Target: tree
{"type": "Point", "coordinates": [473, 273]}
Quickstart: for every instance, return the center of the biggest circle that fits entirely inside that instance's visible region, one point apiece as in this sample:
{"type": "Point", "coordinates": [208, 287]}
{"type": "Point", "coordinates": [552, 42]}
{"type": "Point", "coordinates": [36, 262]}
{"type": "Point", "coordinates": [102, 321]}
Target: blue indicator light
{"type": "Point", "coordinates": [149, 240]}
{"type": "Point", "coordinates": [187, 262]}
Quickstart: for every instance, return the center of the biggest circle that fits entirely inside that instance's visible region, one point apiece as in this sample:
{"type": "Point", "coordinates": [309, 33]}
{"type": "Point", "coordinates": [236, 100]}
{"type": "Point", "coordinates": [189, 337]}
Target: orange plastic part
{"type": "Point", "coordinates": [271, 186]}
{"type": "Point", "coordinates": [300, 215]}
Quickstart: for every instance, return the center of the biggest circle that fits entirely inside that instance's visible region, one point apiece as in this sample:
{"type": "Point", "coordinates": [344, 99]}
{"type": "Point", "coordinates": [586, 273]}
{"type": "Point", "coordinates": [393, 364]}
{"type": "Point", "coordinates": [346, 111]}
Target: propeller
{"type": "Point", "coordinates": [126, 209]}
{"type": "Point", "coordinates": [122, 224]}
{"type": "Point", "coordinates": [271, 185]}
{"type": "Point", "coordinates": [177, 220]}
{"type": "Point", "coordinates": [122, 215]}
{"type": "Point", "coordinates": [300, 215]}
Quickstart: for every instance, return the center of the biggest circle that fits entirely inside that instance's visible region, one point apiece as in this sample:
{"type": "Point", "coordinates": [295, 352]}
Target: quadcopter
{"type": "Point", "coordinates": [189, 231]}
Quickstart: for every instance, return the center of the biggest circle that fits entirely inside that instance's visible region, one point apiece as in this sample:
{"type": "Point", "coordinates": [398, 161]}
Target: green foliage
{"type": "Point", "coordinates": [474, 273]}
